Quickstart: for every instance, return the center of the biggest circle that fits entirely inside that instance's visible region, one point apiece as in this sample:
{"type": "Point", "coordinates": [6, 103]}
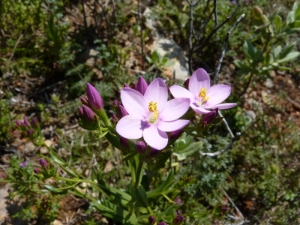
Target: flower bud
{"type": "Point", "coordinates": [94, 98]}
{"type": "Point", "coordinates": [43, 163]}
{"type": "Point", "coordinates": [186, 83]}
{"type": "Point", "coordinates": [36, 170]}
{"type": "Point", "coordinates": [26, 122]}
{"type": "Point", "coordinates": [140, 147]}
{"type": "Point", "coordinates": [34, 121]}
{"type": "Point", "coordinates": [141, 85]}
{"type": "Point", "coordinates": [84, 101]}
{"type": "Point", "coordinates": [19, 123]}
{"type": "Point", "coordinates": [124, 142]}
{"type": "Point", "coordinates": [30, 132]}
{"type": "Point", "coordinates": [88, 113]}
{"type": "Point", "coordinates": [122, 111]}
{"type": "Point", "coordinates": [178, 201]}
{"type": "Point", "coordinates": [80, 111]}
{"type": "Point", "coordinates": [174, 135]}
{"type": "Point", "coordinates": [209, 117]}
{"type": "Point", "coordinates": [24, 164]}
{"type": "Point", "coordinates": [162, 223]}
{"type": "Point", "coordinates": [151, 220]}
{"type": "Point", "coordinates": [178, 219]}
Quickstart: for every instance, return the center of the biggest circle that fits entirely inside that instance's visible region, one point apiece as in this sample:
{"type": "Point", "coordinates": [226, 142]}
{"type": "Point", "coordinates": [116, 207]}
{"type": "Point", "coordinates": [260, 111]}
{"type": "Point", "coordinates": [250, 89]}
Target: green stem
{"type": "Point", "coordinates": [139, 173]}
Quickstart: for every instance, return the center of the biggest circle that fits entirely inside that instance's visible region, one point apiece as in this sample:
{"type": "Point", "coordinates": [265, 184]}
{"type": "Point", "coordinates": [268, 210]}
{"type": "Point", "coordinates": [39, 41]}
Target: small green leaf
{"type": "Point", "coordinates": [289, 57]}
{"type": "Point", "coordinates": [278, 22]}
{"type": "Point", "coordinates": [55, 190]}
{"type": "Point", "coordinates": [277, 51]}
{"type": "Point", "coordinates": [249, 50]}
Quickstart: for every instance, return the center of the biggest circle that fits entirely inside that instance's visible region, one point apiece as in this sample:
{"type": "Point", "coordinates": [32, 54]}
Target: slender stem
{"type": "Point", "coordinates": [139, 172]}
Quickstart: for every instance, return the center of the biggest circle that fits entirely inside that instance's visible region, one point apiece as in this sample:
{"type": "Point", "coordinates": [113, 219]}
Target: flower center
{"type": "Point", "coordinates": [152, 106]}
{"type": "Point", "coordinates": [203, 96]}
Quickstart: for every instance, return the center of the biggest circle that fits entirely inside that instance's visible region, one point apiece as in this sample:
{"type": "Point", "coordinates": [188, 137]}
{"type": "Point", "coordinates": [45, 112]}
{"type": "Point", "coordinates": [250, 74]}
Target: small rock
{"type": "Point", "coordinates": [269, 83]}
{"type": "Point", "coordinates": [251, 114]}
{"type": "Point", "coordinates": [44, 150]}
{"type": "Point", "coordinates": [48, 143]}
{"type": "Point", "coordinates": [57, 222]}
{"type": "Point", "coordinates": [29, 147]}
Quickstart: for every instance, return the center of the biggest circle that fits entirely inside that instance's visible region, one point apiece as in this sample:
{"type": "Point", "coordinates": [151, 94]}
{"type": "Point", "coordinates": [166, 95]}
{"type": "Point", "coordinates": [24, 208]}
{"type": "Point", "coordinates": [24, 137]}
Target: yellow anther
{"type": "Point", "coordinates": [152, 106]}
{"type": "Point", "coordinates": [202, 94]}
{"type": "Point", "coordinates": [153, 117]}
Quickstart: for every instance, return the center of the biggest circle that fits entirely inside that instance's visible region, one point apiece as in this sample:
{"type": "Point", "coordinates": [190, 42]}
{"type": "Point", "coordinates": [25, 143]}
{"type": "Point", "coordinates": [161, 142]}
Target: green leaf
{"type": "Point", "coordinates": [277, 51]}
{"type": "Point", "coordinates": [249, 50]}
{"type": "Point", "coordinates": [163, 187]}
{"type": "Point", "coordinates": [55, 190]}
{"type": "Point", "coordinates": [278, 22]}
{"type": "Point", "coordinates": [289, 57]}
{"type": "Point", "coordinates": [56, 158]}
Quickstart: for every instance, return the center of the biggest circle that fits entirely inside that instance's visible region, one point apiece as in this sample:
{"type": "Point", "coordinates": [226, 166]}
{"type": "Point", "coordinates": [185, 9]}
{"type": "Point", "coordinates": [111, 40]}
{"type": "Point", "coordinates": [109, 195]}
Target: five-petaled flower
{"type": "Point", "coordinates": [151, 115]}
{"type": "Point", "coordinates": [202, 96]}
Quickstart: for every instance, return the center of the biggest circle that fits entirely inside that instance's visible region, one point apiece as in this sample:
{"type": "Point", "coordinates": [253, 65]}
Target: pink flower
{"type": "Point", "coordinates": [151, 115]}
{"type": "Point", "coordinates": [202, 96]}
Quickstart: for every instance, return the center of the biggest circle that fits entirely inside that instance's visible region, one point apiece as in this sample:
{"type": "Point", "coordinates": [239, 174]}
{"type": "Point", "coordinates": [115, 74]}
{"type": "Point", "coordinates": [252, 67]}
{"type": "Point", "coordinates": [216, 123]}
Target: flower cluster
{"type": "Point", "coordinates": [146, 115]}
{"type": "Point", "coordinates": [27, 126]}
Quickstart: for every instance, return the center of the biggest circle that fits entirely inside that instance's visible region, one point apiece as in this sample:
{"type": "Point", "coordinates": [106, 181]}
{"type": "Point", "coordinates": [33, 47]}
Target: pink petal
{"type": "Point", "coordinates": [130, 127]}
{"type": "Point", "coordinates": [217, 94]}
{"type": "Point", "coordinates": [157, 92]}
{"type": "Point", "coordinates": [199, 110]}
{"type": "Point", "coordinates": [180, 92]}
{"type": "Point", "coordinates": [174, 109]}
{"type": "Point", "coordinates": [134, 102]}
{"type": "Point", "coordinates": [172, 125]}
{"type": "Point", "coordinates": [223, 106]}
{"type": "Point", "coordinates": [155, 138]}
{"type": "Point", "coordinates": [199, 79]}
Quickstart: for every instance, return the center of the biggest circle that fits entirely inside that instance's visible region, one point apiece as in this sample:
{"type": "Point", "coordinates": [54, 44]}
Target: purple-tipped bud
{"type": "Point", "coordinates": [140, 147]}
{"type": "Point", "coordinates": [84, 101]}
{"type": "Point", "coordinates": [122, 111]}
{"type": "Point", "coordinates": [80, 111]}
{"type": "Point", "coordinates": [186, 83]}
{"type": "Point", "coordinates": [209, 117]}
{"type": "Point", "coordinates": [116, 103]}
{"type": "Point", "coordinates": [19, 123]}
{"type": "Point", "coordinates": [24, 164]}
{"type": "Point", "coordinates": [114, 118]}
{"type": "Point", "coordinates": [151, 220]}
{"type": "Point", "coordinates": [43, 163]}
{"type": "Point", "coordinates": [162, 223]}
{"type": "Point", "coordinates": [124, 142]}
{"type": "Point", "coordinates": [34, 121]}
{"type": "Point", "coordinates": [36, 170]}
{"type": "Point", "coordinates": [178, 201]}
{"type": "Point", "coordinates": [133, 86]}
{"type": "Point", "coordinates": [178, 219]}
{"type": "Point", "coordinates": [141, 85]}
{"type": "Point", "coordinates": [26, 122]}
{"type": "Point", "coordinates": [126, 85]}
{"type": "Point", "coordinates": [233, 2]}
{"type": "Point", "coordinates": [30, 132]}
{"type": "Point", "coordinates": [153, 153]}
{"type": "Point", "coordinates": [94, 97]}
{"type": "Point", "coordinates": [88, 113]}
{"type": "Point", "coordinates": [174, 135]}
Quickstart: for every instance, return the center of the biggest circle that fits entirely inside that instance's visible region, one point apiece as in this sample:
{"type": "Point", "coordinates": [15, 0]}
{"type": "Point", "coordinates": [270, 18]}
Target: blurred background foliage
{"type": "Point", "coordinates": [51, 48]}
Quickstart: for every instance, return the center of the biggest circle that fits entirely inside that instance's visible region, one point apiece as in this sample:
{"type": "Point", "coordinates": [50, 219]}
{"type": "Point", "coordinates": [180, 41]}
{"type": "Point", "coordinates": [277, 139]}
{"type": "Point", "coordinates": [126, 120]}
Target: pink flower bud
{"type": "Point", "coordinates": [80, 111]}
{"type": "Point", "coordinates": [30, 132]}
{"type": "Point", "coordinates": [140, 147]}
{"type": "Point", "coordinates": [174, 135]}
{"type": "Point", "coordinates": [209, 117]}
{"type": "Point", "coordinates": [43, 163]}
{"type": "Point", "coordinates": [84, 101]}
{"type": "Point", "coordinates": [124, 142]}
{"type": "Point", "coordinates": [34, 121]}
{"type": "Point", "coordinates": [88, 113]}
{"type": "Point", "coordinates": [94, 97]}
{"type": "Point", "coordinates": [19, 123]}
{"type": "Point", "coordinates": [186, 83]}
{"type": "Point", "coordinates": [36, 170]}
{"type": "Point", "coordinates": [122, 111]}
{"type": "Point", "coordinates": [152, 220]}
{"type": "Point", "coordinates": [141, 85]}
{"type": "Point", "coordinates": [26, 122]}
